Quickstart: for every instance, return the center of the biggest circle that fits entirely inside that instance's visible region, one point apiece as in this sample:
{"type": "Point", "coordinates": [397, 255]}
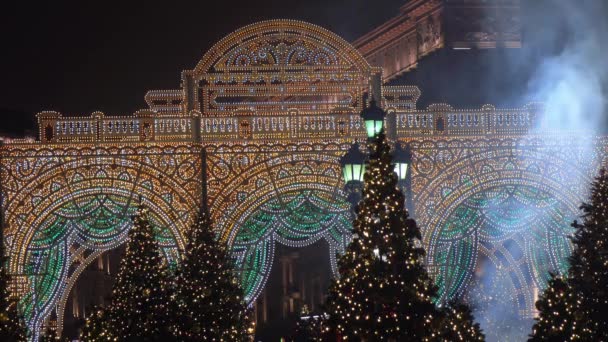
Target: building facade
{"type": "Point", "coordinates": [423, 27]}
{"type": "Point", "coordinates": [257, 130]}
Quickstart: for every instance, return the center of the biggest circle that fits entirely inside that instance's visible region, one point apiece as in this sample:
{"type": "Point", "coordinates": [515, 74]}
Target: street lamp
{"type": "Point", "coordinates": [373, 116]}
{"type": "Point", "coordinates": [353, 164]}
{"type": "Point", "coordinates": [403, 161]}
{"type": "Point", "coordinates": [353, 168]}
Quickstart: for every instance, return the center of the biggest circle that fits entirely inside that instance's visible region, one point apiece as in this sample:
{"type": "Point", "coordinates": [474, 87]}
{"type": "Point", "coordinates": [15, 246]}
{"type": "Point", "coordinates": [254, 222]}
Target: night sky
{"type": "Point", "coordinates": [82, 56]}
{"type": "Point", "coordinates": [77, 57]}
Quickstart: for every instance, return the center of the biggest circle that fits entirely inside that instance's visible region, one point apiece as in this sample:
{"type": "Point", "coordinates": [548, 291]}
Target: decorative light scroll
{"type": "Point", "coordinates": [275, 105]}
{"type": "Point", "coordinates": [66, 203]}
{"type": "Point", "coordinates": [497, 213]}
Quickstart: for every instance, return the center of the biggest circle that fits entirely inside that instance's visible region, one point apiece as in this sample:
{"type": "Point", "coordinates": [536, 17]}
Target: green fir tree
{"type": "Point", "coordinates": [49, 335]}
{"type": "Point", "coordinates": [556, 320]}
{"type": "Point", "coordinates": [458, 324]}
{"type": "Point", "coordinates": [575, 308]}
{"type": "Point", "coordinates": [95, 327]}
{"type": "Point", "coordinates": [309, 327]}
{"type": "Point", "coordinates": [384, 291]}
{"type": "Point", "coordinates": [140, 304]}
{"type": "Point", "coordinates": [210, 301]}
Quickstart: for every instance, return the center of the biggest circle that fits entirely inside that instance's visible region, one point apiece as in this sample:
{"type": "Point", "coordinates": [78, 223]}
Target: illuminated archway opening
{"type": "Point", "coordinates": [295, 219]}
{"type": "Point", "coordinates": [299, 278]}
{"type": "Point", "coordinates": [71, 237]}
{"type": "Point", "coordinates": [496, 249]}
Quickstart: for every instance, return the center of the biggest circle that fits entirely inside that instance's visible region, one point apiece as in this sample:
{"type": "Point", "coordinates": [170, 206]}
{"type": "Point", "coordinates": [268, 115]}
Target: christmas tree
{"type": "Point", "coordinates": [209, 298]}
{"type": "Point", "coordinates": [582, 297]}
{"type": "Point", "coordinates": [384, 291]}
{"type": "Point", "coordinates": [50, 335]}
{"type": "Point", "coordinates": [458, 324]}
{"type": "Point", "coordinates": [12, 326]}
{"type": "Point", "coordinates": [588, 274]}
{"type": "Point", "coordinates": [139, 309]}
{"type": "Point", "coordinates": [556, 321]}
{"type": "Point", "coordinates": [95, 328]}
{"type": "Point", "coordinates": [309, 327]}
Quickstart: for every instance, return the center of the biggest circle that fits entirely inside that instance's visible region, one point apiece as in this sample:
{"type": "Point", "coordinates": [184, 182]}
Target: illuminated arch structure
{"type": "Point", "coordinates": [258, 129]}
{"type": "Point", "coordinates": [497, 212]}
{"type": "Point", "coordinates": [65, 205]}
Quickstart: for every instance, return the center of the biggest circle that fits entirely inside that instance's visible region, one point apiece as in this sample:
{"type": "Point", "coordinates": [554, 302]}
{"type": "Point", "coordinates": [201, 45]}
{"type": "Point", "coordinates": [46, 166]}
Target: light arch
{"type": "Point", "coordinates": [294, 199]}
{"type": "Point", "coordinates": [75, 202]}
{"type": "Point", "coordinates": [320, 38]}
{"type": "Point", "coordinates": [62, 301]}
{"type": "Point", "coordinates": [491, 209]}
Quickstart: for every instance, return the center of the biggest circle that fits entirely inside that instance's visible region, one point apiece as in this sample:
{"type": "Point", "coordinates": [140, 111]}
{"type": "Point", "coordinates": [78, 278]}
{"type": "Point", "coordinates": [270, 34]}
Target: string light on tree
{"type": "Point", "coordinates": [210, 302]}
{"type": "Point", "coordinates": [574, 306]}
{"type": "Point", "coordinates": [141, 301]}
{"type": "Point", "coordinates": [384, 291]}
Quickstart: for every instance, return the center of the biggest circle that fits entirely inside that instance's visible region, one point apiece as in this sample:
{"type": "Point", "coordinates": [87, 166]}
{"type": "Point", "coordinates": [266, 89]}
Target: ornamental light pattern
{"type": "Point", "coordinates": [257, 130]}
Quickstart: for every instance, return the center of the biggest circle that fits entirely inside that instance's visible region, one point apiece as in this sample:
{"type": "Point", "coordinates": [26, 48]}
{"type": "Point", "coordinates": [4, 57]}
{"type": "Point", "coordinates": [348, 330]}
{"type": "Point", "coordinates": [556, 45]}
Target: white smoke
{"type": "Point", "coordinates": [570, 80]}
{"type": "Point", "coordinates": [566, 51]}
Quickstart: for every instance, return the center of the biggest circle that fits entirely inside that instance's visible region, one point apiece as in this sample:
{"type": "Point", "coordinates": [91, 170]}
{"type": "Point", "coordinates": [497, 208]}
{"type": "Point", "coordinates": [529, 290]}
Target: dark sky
{"type": "Point", "coordinates": [81, 56]}
{"type": "Point", "coordinates": [77, 57]}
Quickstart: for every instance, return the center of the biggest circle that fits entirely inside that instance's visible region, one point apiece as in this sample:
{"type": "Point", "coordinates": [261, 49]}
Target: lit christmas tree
{"type": "Point", "coordinates": [49, 335]}
{"type": "Point", "coordinates": [309, 327]}
{"type": "Point", "coordinates": [556, 321]}
{"type": "Point", "coordinates": [140, 302]}
{"type": "Point", "coordinates": [95, 327]}
{"type": "Point", "coordinates": [583, 299]}
{"type": "Point", "coordinates": [210, 300]}
{"type": "Point", "coordinates": [458, 324]}
{"type": "Point", "coordinates": [384, 291]}
{"type": "Point", "coordinates": [12, 326]}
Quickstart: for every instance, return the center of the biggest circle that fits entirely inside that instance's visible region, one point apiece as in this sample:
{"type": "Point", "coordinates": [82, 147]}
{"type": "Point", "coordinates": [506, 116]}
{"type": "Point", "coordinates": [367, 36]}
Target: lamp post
{"type": "Point", "coordinates": [353, 162]}
{"type": "Point", "coordinates": [403, 161]}
{"type": "Point", "coordinates": [373, 116]}
{"type": "Point", "coordinates": [353, 168]}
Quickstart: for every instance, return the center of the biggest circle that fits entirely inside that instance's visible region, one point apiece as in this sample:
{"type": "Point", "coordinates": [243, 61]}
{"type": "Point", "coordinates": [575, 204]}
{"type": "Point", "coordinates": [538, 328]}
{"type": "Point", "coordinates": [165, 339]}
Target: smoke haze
{"type": "Point", "coordinates": [565, 53]}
